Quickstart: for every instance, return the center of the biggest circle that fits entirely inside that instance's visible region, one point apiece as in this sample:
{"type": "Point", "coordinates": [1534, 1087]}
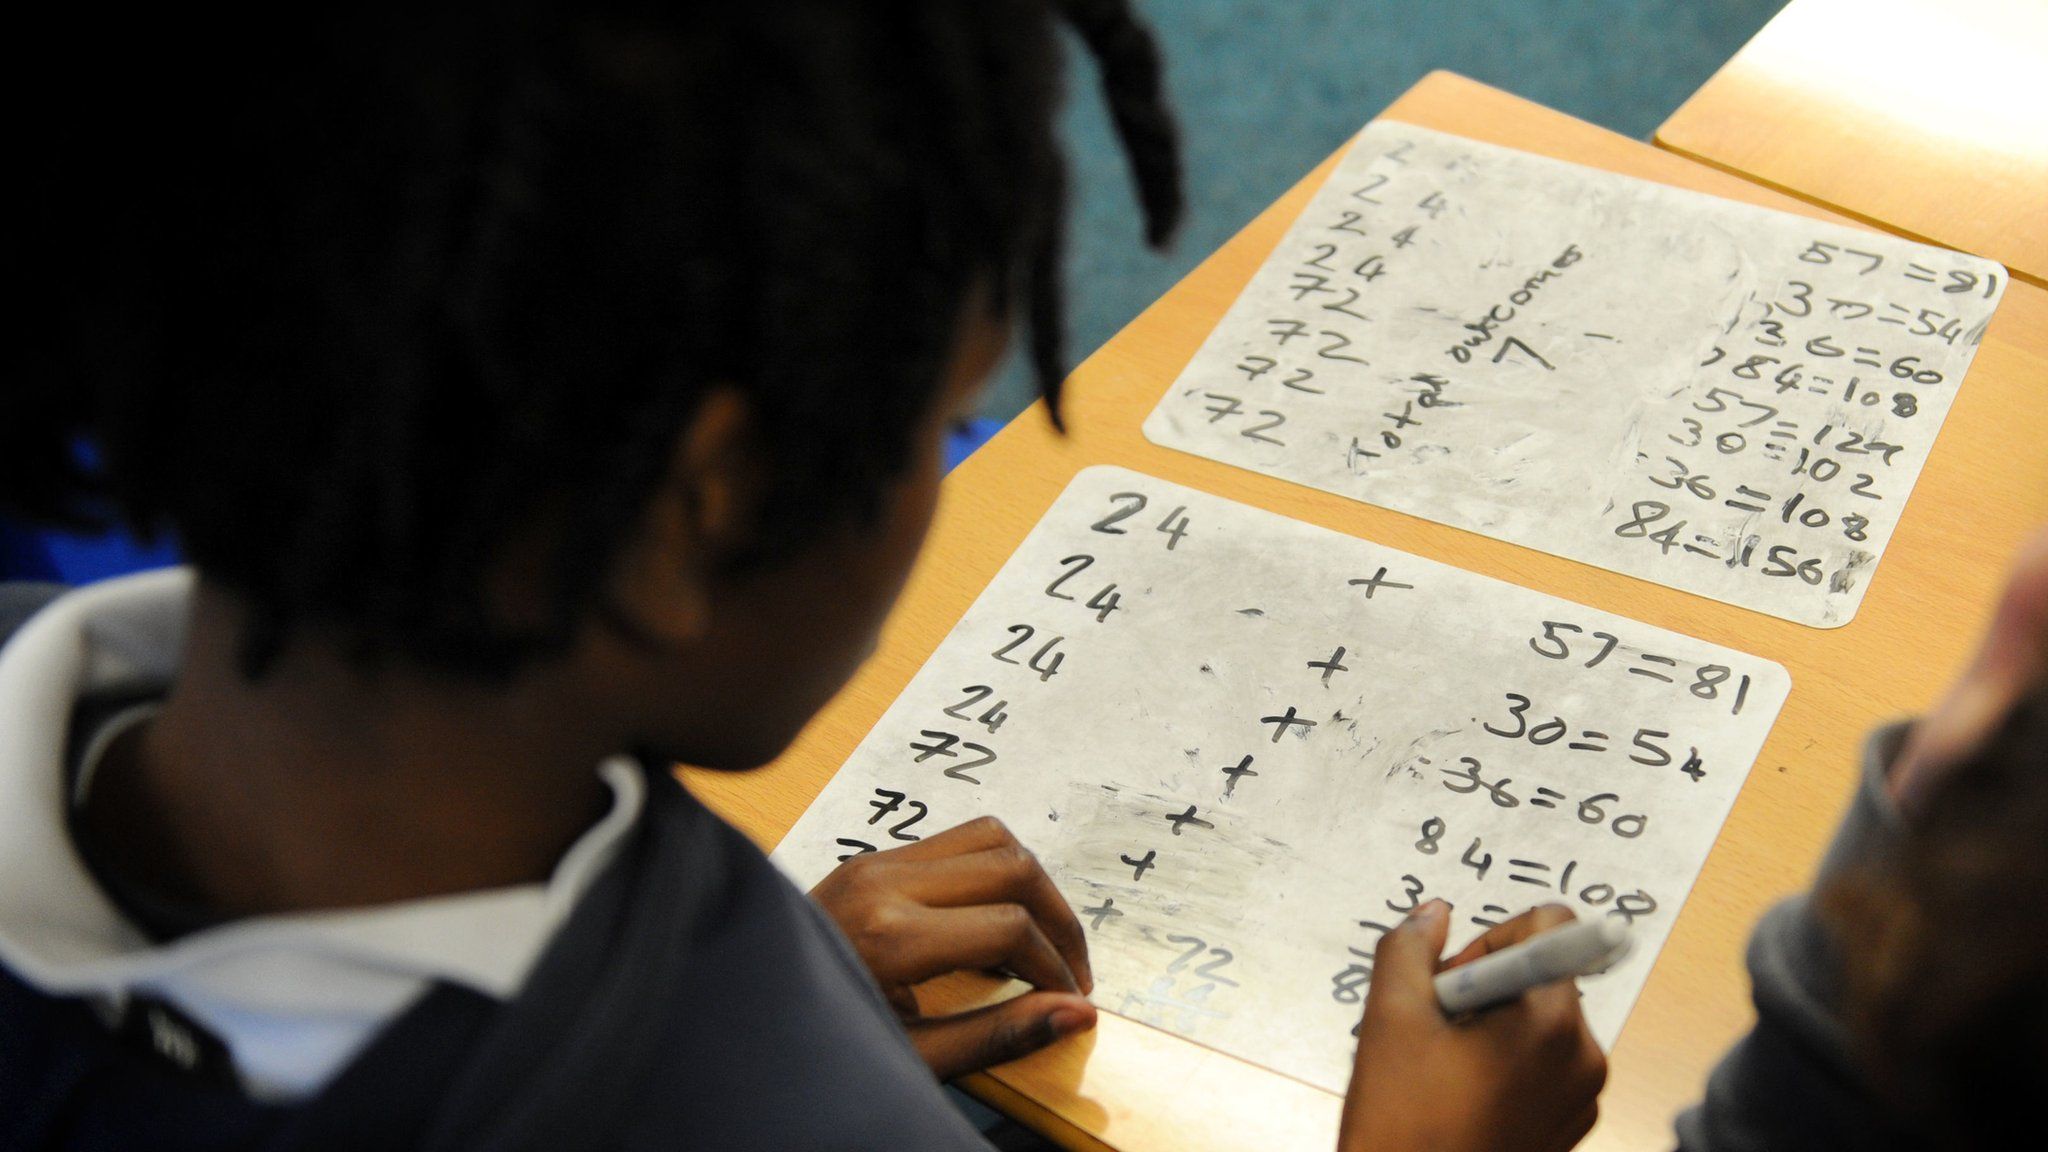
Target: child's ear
{"type": "Point", "coordinates": [702, 513]}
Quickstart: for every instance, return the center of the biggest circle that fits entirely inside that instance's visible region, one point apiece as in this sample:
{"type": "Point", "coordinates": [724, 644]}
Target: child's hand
{"type": "Point", "coordinates": [969, 897]}
{"type": "Point", "coordinates": [2013, 659]}
{"type": "Point", "coordinates": [1525, 1075]}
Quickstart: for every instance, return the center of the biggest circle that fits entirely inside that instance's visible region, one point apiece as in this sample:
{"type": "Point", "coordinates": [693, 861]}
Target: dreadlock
{"type": "Point", "coordinates": [350, 316]}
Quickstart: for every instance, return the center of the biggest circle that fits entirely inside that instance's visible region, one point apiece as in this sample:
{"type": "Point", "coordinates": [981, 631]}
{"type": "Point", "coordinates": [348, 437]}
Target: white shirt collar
{"type": "Point", "coordinates": [294, 997]}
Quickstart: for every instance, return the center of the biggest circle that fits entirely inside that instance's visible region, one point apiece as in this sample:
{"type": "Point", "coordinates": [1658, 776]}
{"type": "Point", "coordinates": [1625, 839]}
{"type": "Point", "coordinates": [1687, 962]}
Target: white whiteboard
{"type": "Point", "coordinates": [1709, 395]}
{"type": "Point", "coordinates": [1225, 796]}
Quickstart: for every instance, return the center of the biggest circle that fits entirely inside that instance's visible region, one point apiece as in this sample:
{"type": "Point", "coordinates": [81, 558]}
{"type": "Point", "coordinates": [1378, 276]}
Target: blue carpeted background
{"type": "Point", "coordinates": [1267, 89]}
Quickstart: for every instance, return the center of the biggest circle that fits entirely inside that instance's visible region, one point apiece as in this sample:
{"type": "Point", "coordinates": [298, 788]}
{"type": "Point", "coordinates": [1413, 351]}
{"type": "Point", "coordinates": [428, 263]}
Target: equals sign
{"type": "Point", "coordinates": [1753, 494]}
{"type": "Point", "coordinates": [1653, 658]}
{"type": "Point", "coordinates": [1583, 744]}
{"type": "Point", "coordinates": [1539, 802]}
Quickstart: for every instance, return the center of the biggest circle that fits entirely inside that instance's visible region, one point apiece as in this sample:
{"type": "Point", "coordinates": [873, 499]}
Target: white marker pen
{"type": "Point", "coordinates": [1577, 949]}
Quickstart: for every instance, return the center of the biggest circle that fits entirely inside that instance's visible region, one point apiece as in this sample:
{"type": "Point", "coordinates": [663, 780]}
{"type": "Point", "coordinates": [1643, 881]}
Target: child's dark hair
{"type": "Point", "coordinates": [352, 307]}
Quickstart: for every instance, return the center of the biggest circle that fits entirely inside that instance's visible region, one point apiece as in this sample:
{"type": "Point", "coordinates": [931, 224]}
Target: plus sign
{"type": "Point", "coordinates": [1186, 818]}
{"type": "Point", "coordinates": [1334, 664]}
{"type": "Point", "coordinates": [1282, 723]}
{"type": "Point", "coordinates": [1139, 865]}
{"type": "Point", "coordinates": [1098, 915]}
{"type": "Point", "coordinates": [1241, 768]}
{"type": "Point", "coordinates": [1377, 581]}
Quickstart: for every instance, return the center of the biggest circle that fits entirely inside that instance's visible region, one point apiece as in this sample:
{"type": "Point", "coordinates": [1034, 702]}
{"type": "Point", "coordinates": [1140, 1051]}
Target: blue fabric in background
{"type": "Point", "coordinates": [74, 558]}
{"type": "Point", "coordinates": [1267, 88]}
{"type": "Point", "coordinates": [22, 555]}
{"type": "Point", "coordinates": [49, 555]}
{"type": "Point", "coordinates": [968, 435]}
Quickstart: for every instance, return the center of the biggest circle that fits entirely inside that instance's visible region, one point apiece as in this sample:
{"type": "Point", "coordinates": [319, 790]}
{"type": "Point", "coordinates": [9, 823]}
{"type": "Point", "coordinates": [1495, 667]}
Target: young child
{"type": "Point", "coordinates": [1905, 1004]}
{"type": "Point", "coordinates": [544, 394]}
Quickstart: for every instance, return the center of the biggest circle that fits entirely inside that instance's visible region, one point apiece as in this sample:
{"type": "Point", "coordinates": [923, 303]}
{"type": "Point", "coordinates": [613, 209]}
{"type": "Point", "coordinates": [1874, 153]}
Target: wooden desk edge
{"type": "Point", "coordinates": [2019, 274]}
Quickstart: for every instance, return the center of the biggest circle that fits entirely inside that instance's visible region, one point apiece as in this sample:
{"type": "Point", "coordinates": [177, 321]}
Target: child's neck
{"type": "Point", "coordinates": [321, 786]}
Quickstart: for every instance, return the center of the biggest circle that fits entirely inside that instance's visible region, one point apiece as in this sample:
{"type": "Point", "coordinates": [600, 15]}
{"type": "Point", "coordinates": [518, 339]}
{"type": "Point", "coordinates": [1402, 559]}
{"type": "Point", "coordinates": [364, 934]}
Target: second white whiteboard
{"type": "Point", "coordinates": [1245, 746]}
{"type": "Point", "coordinates": [1709, 395]}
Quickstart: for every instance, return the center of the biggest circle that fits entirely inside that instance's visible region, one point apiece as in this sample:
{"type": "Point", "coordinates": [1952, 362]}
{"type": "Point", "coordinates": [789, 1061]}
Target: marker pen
{"type": "Point", "coordinates": [1577, 949]}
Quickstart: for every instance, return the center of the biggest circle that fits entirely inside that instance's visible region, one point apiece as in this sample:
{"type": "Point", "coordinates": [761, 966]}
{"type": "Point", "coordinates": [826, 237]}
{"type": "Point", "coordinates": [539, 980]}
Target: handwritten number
{"type": "Point", "coordinates": [1003, 653]}
{"type": "Point", "coordinates": [1079, 564]}
{"type": "Point", "coordinates": [1224, 406]}
{"type": "Point", "coordinates": [1104, 602]}
{"type": "Point", "coordinates": [1550, 628]}
{"type": "Point", "coordinates": [1200, 946]}
{"type": "Point", "coordinates": [1175, 526]}
{"type": "Point", "coordinates": [1299, 382]}
{"type": "Point", "coordinates": [1333, 350]}
{"type": "Point", "coordinates": [976, 693]}
{"type": "Point", "coordinates": [991, 718]}
{"type": "Point", "coordinates": [1512, 342]}
{"type": "Point", "coordinates": [1480, 865]}
{"type": "Point", "coordinates": [1108, 523]}
{"type": "Point", "coordinates": [1646, 739]}
{"type": "Point", "coordinates": [1520, 712]}
{"type": "Point", "coordinates": [959, 771]}
{"type": "Point", "coordinates": [896, 831]}
{"type": "Point", "coordinates": [1349, 224]}
{"type": "Point", "coordinates": [1039, 663]}
{"type": "Point", "coordinates": [1412, 889]}
{"type": "Point", "coordinates": [1432, 835]}
{"type": "Point", "coordinates": [1219, 957]}
{"type": "Point", "coordinates": [1803, 298]}
{"type": "Point", "coordinates": [1344, 306]}
{"type": "Point", "coordinates": [889, 803]}
{"type": "Point", "coordinates": [1257, 431]}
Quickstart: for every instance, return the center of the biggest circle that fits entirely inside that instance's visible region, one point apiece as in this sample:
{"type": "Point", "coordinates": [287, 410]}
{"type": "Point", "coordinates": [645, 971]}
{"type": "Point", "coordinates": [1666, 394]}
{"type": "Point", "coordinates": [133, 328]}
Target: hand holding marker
{"type": "Point", "coordinates": [1580, 948]}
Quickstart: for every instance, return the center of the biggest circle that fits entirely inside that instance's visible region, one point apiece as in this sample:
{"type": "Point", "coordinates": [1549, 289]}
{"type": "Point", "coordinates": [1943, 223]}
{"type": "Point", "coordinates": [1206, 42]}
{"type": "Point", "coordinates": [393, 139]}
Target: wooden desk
{"type": "Point", "coordinates": [1132, 1088]}
{"type": "Point", "coordinates": [1926, 117]}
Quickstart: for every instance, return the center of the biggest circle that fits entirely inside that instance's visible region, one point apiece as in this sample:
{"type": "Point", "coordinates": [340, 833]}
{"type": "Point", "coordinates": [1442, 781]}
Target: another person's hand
{"type": "Point", "coordinates": [2012, 661]}
{"type": "Point", "coordinates": [971, 897]}
{"type": "Point", "coordinates": [1522, 1077]}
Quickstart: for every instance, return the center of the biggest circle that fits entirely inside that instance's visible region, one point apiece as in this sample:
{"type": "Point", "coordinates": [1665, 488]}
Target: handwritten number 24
{"type": "Point", "coordinates": [1104, 601]}
{"type": "Point", "coordinates": [1129, 504]}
